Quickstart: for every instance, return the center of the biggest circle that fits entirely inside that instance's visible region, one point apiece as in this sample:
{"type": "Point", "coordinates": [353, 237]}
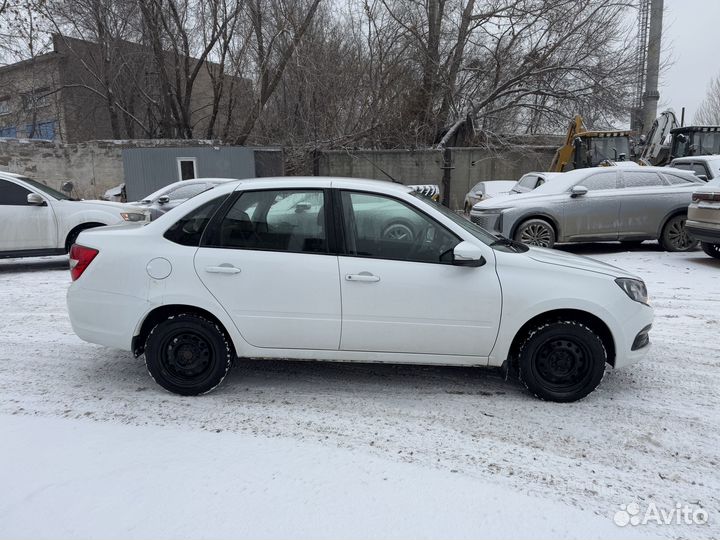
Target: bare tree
{"type": "Point", "coordinates": [708, 113]}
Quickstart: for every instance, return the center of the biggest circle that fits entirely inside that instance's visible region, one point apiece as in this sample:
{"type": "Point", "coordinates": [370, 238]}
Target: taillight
{"type": "Point", "coordinates": [697, 197]}
{"type": "Point", "coordinates": [80, 259]}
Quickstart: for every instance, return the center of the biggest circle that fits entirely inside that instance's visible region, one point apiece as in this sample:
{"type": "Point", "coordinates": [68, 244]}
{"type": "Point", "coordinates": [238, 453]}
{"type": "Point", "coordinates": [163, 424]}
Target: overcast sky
{"type": "Point", "coordinates": [691, 42]}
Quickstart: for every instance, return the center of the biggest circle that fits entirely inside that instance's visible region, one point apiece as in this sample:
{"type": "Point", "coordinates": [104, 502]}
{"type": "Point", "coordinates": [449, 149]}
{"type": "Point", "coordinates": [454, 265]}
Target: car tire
{"type": "Point", "coordinates": [536, 232]}
{"type": "Point", "coordinates": [73, 235]}
{"type": "Point", "coordinates": [561, 361]}
{"type": "Point", "coordinates": [711, 249]}
{"type": "Point", "coordinates": [188, 354]}
{"type": "Point", "coordinates": [674, 237]}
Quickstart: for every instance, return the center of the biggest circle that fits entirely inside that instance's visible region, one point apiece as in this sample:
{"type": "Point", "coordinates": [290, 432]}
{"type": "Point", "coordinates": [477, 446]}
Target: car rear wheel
{"type": "Point", "coordinates": [536, 232]}
{"type": "Point", "coordinates": [561, 361]}
{"type": "Point", "coordinates": [711, 249]}
{"type": "Point", "coordinates": [674, 237]}
{"type": "Point", "coordinates": [188, 354]}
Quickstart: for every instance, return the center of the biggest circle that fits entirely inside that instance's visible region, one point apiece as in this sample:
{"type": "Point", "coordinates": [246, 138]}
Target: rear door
{"type": "Point", "coordinates": [24, 226]}
{"type": "Point", "coordinates": [595, 215]}
{"type": "Point", "coordinates": [646, 201]}
{"type": "Point", "coordinates": [268, 261]}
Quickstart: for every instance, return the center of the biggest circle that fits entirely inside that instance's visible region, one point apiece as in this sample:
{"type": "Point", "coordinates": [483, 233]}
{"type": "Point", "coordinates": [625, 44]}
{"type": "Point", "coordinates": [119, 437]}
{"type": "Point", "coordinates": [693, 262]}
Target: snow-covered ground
{"type": "Point", "coordinates": [91, 447]}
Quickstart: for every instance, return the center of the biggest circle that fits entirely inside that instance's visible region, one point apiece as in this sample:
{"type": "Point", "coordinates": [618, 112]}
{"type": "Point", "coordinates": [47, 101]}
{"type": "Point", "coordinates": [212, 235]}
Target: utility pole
{"type": "Point", "coordinates": [651, 95]}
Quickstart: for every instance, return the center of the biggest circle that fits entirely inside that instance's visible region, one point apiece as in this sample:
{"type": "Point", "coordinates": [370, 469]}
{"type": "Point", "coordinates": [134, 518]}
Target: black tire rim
{"type": "Point", "coordinates": [677, 236]}
{"type": "Point", "coordinates": [188, 358]}
{"type": "Point", "coordinates": [536, 234]}
{"type": "Point", "coordinates": [563, 364]}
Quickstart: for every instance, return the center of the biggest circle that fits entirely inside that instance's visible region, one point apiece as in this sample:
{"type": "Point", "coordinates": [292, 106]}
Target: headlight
{"type": "Point", "coordinates": [132, 216]}
{"type": "Point", "coordinates": [635, 289]}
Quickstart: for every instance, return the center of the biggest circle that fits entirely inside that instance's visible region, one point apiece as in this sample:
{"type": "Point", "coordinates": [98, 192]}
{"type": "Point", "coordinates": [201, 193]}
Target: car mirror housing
{"type": "Point", "coordinates": [578, 191]}
{"type": "Point", "coordinates": [163, 200]}
{"type": "Point", "coordinates": [36, 200]}
{"type": "Point", "coordinates": [467, 254]}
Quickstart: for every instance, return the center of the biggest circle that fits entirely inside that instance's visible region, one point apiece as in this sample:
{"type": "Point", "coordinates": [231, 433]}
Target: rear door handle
{"type": "Point", "coordinates": [362, 276]}
{"type": "Point", "coordinates": [223, 269]}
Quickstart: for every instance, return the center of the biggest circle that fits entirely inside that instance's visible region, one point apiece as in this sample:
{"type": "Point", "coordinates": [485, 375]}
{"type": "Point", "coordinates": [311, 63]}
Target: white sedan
{"type": "Point", "coordinates": [302, 268]}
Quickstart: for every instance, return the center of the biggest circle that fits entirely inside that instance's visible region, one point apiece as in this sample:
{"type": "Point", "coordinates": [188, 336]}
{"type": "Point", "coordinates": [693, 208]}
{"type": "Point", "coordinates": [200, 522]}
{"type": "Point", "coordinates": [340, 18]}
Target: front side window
{"type": "Point", "coordinates": [642, 179]}
{"type": "Point", "coordinates": [12, 194]}
{"type": "Point", "coordinates": [274, 220]}
{"type": "Point", "coordinates": [380, 227]}
{"type": "Point", "coordinates": [600, 182]}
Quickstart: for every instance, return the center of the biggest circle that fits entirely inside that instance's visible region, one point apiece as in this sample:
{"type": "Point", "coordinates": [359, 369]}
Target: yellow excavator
{"type": "Point", "coordinates": [584, 148]}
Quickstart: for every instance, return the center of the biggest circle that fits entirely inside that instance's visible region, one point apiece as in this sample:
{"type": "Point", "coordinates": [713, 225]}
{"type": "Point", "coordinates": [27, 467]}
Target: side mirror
{"type": "Point", "coordinates": [68, 187]}
{"type": "Point", "coordinates": [36, 200]}
{"type": "Point", "coordinates": [163, 200]}
{"type": "Point", "coordinates": [467, 254]}
{"type": "Point", "coordinates": [479, 193]}
{"type": "Point", "coordinates": [578, 191]}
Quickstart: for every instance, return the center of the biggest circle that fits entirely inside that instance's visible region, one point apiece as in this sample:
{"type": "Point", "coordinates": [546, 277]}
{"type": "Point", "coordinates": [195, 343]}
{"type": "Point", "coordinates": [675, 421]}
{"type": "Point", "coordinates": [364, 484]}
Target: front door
{"type": "Point", "coordinates": [268, 263]}
{"type": "Point", "coordinates": [24, 226]}
{"type": "Point", "coordinates": [595, 215]}
{"type": "Point", "coordinates": [400, 294]}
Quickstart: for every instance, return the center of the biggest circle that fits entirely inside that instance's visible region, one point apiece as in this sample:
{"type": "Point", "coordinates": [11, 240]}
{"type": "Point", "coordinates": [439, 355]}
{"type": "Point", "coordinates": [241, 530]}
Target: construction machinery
{"type": "Point", "coordinates": [588, 148]}
{"type": "Point", "coordinates": [668, 140]}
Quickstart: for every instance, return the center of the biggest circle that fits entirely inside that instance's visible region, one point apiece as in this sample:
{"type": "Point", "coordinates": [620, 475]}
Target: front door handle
{"type": "Point", "coordinates": [223, 269]}
{"type": "Point", "coordinates": [362, 276]}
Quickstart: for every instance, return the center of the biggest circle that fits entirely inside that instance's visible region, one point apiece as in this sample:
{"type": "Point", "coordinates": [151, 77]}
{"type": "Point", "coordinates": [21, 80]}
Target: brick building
{"type": "Point", "coordinates": [62, 95]}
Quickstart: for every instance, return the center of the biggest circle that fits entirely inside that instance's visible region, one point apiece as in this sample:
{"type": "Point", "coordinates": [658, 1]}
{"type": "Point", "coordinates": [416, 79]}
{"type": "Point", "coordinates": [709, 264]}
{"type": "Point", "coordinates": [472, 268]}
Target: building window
{"type": "Point", "coordinates": [36, 99]}
{"type": "Point", "coordinates": [41, 130]}
{"type": "Point", "coordinates": [9, 132]}
{"type": "Point", "coordinates": [187, 168]}
{"type": "Point", "coordinates": [4, 106]}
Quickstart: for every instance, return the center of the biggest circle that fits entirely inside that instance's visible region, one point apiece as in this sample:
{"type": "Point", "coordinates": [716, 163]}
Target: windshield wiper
{"type": "Point", "coordinates": [502, 241]}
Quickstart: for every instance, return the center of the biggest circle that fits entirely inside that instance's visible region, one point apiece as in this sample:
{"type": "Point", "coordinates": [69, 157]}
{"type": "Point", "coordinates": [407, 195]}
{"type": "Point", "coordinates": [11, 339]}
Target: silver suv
{"type": "Point", "coordinates": [704, 217]}
{"type": "Point", "coordinates": [597, 204]}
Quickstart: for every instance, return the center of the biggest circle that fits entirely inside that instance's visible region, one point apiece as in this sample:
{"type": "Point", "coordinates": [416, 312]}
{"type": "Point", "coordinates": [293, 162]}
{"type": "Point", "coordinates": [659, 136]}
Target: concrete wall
{"type": "Point", "coordinates": [96, 166]}
{"type": "Point", "coordinates": [469, 165]}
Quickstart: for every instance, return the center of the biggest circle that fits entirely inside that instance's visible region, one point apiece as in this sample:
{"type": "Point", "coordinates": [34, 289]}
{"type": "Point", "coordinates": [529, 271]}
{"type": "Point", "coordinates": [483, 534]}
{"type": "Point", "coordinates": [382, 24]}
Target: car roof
{"type": "Point", "coordinates": [689, 159]}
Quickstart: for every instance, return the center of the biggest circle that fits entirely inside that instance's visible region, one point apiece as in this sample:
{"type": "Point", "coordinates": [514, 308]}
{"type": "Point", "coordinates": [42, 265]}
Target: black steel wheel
{"type": "Point", "coordinates": [187, 354]}
{"type": "Point", "coordinates": [711, 249]}
{"type": "Point", "coordinates": [562, 361]}
{"type": "Point", "coordinates": [674, 237]}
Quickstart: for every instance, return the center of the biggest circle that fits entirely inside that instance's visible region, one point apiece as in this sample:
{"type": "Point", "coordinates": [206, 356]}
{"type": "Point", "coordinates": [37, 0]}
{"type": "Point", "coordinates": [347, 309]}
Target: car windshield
{"type": "Point", "coordinates": [45, 189]}
{"type": "Point", "coordinates": [477, 231]}
{"type": "Point", "coordinates": [609, 148]}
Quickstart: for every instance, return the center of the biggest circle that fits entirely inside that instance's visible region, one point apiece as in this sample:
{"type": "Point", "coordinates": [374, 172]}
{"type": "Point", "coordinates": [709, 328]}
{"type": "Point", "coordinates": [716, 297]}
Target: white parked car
{"type": "Point", "coordinates": [38, 220]}
{"type": "Point", "coordinates": [165, 199]}
{"type": "Point", "coordinates": [486, 190]}
{"type": "Point", "coordinates": [304, 268]}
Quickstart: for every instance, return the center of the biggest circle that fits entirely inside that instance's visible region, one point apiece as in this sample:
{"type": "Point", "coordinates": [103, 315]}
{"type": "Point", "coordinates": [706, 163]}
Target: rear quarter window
{"type": "Point", "coordinates": [188, 230]}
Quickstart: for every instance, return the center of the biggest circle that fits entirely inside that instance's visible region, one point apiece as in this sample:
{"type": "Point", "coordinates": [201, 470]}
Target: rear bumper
{"type": "Point", "coordinates": [104, 318]}
{"type": "Point", "coordinates": [704, 231]}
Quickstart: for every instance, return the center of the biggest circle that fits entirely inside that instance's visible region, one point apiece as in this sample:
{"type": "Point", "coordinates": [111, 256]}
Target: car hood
{"type": "Point", "coordinates": [106, 205]}
{"type": "Point", "coordinates": [569, 260]}
{"type": "Point", "coordinates": [512, 200]}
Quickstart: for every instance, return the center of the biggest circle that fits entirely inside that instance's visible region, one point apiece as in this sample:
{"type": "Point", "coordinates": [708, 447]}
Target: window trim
{"type": "Point", "coordinates": [179, 161]}
{"type": "Point", "coordinates": [212, 228]}
{"type": "Point", "coordinates": [343, 236]}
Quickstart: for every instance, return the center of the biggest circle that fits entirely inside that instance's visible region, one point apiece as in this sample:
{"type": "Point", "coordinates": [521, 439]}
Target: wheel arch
{"type": "Point", "coordinates": [161, 313]}
{"type": "Point", "coordinates": [677, 211]}
{"type": "Point", "coordinates": [78, 229]}
{"type": "Point", "coordinates": [591, 321]}
{"type": "Point", "coordinates": [536, 215]}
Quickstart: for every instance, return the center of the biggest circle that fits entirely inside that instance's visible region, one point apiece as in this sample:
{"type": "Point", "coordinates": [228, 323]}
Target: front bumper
{"type": "Point", "coordinates": [632, 341]}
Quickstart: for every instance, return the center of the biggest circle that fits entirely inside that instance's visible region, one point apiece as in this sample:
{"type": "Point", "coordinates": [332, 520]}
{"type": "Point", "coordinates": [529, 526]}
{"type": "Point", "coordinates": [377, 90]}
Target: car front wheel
{"type": "Point", "coordinates": [561, 361]}
{"type": "Point", "coordinates": [711, 249]}
{"type": "Point", "coordinates": [188, 354]}
{"type": "Point", "coordinates": [536, 232]}
{"type": "Point", "coordinates": [674, 237]}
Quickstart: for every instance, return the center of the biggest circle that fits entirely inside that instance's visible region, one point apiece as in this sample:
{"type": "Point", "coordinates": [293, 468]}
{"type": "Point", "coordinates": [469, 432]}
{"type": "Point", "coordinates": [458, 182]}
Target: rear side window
{"type": "Point", "coordinates": [642, 179]}
{"type": "Point", "coordinates": [676, 179]}
{"type": "Point", "coordinates": [188, 230]}
{"type": "Point", "coordinates": [12, 194]}
{"type": "Point", "coordinates": [274, 220]}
